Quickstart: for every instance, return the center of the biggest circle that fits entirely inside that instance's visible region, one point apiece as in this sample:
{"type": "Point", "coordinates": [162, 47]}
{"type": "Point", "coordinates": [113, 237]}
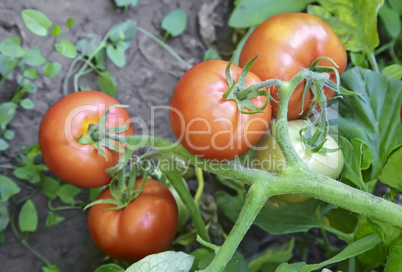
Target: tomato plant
{"type": "Point", "coordinates": [285, 44]}
{"type": "Point", "coordinates": [62, 126]}
{"type": "Point", "coordinates": [328, 161]}
{"type": "Point", "coordinates": [145, 226]}
{"type": "Point", "coordinates": [208, 125]}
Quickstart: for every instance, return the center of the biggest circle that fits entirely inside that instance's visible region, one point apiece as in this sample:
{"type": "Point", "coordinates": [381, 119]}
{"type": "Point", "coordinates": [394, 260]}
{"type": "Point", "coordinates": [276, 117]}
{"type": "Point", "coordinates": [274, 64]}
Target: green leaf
{"type": "Point", "coordinates": [282, 218]}
{"type": "Point", "coordinates": [94, 193]}
{"type": "Point", "coordinates": [394, 261]}
{"type": "Point", "coordinates": [37, 22]}
{"type": "Point", "coordinates": [391, 20]}
{"type": "Point", "coordinates": [7, 112]}
{"type": "Point", "coordinates": [11, 47]}
{"type": "Point", "coordinates": [122, 31]}
{"type": "Point", "coordinates": [4, 216]}
{"type": "Point", "coordinates": [125, 3]}
{"type": "Point", "coordinates": [8, 134]}
{"type": "Point", "coordinates": [8, 188]}
{"type": "Point", "coordinates": [51, 69]}
{"type": "Point", "coordinates": [253, 12]}
{"type": "Point", "coordinates": [51, 268]}
{"type": "Point", "coordinates": [56, 30]}
{"type": "Point", "coordinates": [116, 55]}
{"type": "Point", "coordinates": [392, 172]}
{"type": "Point", "coordinates": [29, 172]}
{"type": "Point", "coordinates": [66, 48]}
{"type": "Point", "coordinates": [109, 268]}
{"type": "Point", "coordinates": [107, 83]}
{"type": "Point", "coordinates": [397, 5]}
{"type": "Point", "coordinates": [7, 65]}
{"type": "Point", "coordinates": [88, 45]}
{"type": "Point", "coordinates": [3, 145]}
{"type": "Point", "coordinates": [377, 126]}
{"type": "Point", "coordinates": [286, 267]}
{"type": "Point", "coordinates": [67, 192]}
{"type": "Point", "coordinates": [175, 22]}
{"type": "Point", "coordinates": [27, 104]}
{"type": "Point", "coordinates": [355, 22]}
{"type": "Point", "coordinates": [231, 204]}
{"type": "Point", "coordinates": [50, 187]}
{"type": "Point", "coordinates": [211, 54]}
{"type": "Point", "coordinates": [236, 264]}
{"type": "Point", "coordinates": [274, 256]}
{"type": "Point", "coordinates": [34, 57]}
{"type": "Point", "coordinates": [351, 250]}
{"type": "Point", "coordinates": [53, 219]}
{"type": "Point", "coordinates": [359, 59]}
{"type": "Point", "coordinates": [2, 236]}
{"type": "Point", "coordinates": [167, 261]}
{"type": "Point", "coordinates": [28, 217]}
{"type": "Point", "coordinates": [70, 22]}
{"type": "Point", "coordinates": [31, 73]}
{"type": "Point", "coordinates": [394, 70]}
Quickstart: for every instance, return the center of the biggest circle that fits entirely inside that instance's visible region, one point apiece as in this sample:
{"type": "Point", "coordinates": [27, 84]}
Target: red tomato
{"type": "Point", "coordinates": [288, 42]}
{"type": "Point", "coordinates": [145, 226]}
{"type": "Point", "coordinates": [75, 163]}
{"type": "Point", "coordinates": [206, 124]}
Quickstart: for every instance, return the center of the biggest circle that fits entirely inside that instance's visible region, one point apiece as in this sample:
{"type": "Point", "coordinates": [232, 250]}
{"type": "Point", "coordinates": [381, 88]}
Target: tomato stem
{"type": "Point", "coordinates": [200, 189]}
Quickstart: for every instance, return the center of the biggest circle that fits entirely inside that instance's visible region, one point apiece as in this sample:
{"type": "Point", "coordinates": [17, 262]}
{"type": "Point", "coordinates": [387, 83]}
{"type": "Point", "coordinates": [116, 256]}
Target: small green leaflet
{"type": "Point", "coordinates": [28, 217]}
{"type": "Point", "coordinates": [126, 3]}
{"type": "Point", "coordinates": [175, 22]}
{"type": "Point", "coordinates": [167, 261]}
{"type": "Point", "coordinates": [33, 57]}
{"type": "Point", "coordinates": [70, 22]}
{"type": "Point", "coordinates": [11, 47]}
{"type": "Point", "coordinates": [7, 112]}
{"type": "Point", "coordinates": [67, 193]}
{"type": "Point", "coordinates": [56, 30]}
{"type": "Point", "coordinates": [211, 54]}
{"type": "Point", "coordinates": [51, 69]}
{"type": "Point", "coordinates": [107, 83]}
{"type": "Point", "coordinates": [66, 48]}
{"type": "Point", "coordinates": [8, 188]}
{"type": "Point", "coordinates": [109, 268]}
{"type": "Point", "coordinates": [37, 22]}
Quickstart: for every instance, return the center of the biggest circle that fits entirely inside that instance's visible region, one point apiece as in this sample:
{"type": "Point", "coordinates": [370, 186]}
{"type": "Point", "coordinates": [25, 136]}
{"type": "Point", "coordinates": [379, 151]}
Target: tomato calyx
{"type": "Point", "coordinates": [236, 90]}
{"type": "Point", "coordinates": [99, 136]}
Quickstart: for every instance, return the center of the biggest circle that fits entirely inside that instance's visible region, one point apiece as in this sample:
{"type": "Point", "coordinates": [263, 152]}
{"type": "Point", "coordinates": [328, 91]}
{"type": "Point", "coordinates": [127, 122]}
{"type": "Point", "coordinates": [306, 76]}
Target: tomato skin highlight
{"type": "Point", "coordinates": [75, 163]}
{"type": "Point", "coordinates": [208, 125]}
{"type": "Point", "coordinates": [286, 43]}
{"type": "Point", "coordinates": [270, 157]}
{"type": "Point", "coordinates": [145, 226]}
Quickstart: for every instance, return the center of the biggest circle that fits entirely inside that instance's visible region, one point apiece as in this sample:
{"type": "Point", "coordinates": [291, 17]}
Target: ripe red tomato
{"type": "Point", "coordinates": [145, 226]}
{"type": "Point", "coordinates": [288, 42]}
{"type": "Point", "coordinates": [208, 125]}
{"type": "Point", "coordinates": [75, 163]}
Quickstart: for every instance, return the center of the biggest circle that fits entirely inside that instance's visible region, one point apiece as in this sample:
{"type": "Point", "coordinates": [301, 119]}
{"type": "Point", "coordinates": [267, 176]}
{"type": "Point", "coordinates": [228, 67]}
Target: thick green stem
{"type": "Point", "coordinates": [176, 180]}
{"type": "Point", "coordinates": [373, 62]}
{"type": "Point", "coordinates": [256, 197]}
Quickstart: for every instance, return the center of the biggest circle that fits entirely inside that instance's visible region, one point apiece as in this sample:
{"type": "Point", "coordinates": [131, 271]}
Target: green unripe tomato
{"type": "Point", "coordinates": [269, 156]}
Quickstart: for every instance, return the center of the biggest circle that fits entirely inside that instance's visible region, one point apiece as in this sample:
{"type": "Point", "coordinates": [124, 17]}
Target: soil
{"type": "Point", "coordinates": [145, 84]}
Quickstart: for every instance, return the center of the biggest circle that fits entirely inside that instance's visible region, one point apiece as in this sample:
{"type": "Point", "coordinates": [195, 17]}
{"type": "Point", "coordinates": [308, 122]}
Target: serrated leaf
{"type": "Point", "coordinates": [167, 261]}
{"type": "Point", "coordinates": [27, 104]}
{"type": "Point", "coordinates": [31, 73]}
{"type": "Point", "coordinates": [7, 112]}
{"type": "Point", "coordinates": [253, 12]}
{"type": "Point", "coordinates": [67, 193]}
{"type": "Point", "coordinates": [116, 55]}
{"type": "Point", "coordinates": [394, 70]}
{"type": "Point", "coordinates": [28, 217]}
{"type": "Point", "coordinates": [66, 48]}
{"type": "Point", "coordinates": [53, 219]}
{"type": "Point", "coordinates": [175, 22]}
{"type": "Point", "coordinates": [34, 57]}
{"type": "Point", "coordinates": [377, 126]}
{"type": "Point", "coordinates": [211, 54]}
{"type": "Point", "coordinates": [107, 83]}
{"type": "Point", "coordinates": [56, 30]}
{"type": "Point", "coordinates": [37, 22]}
{"type": "Point", "coordinates": [355, 22]}
{"type": "Point", "coordinates": [51, 69]}
{"type": "Point", "coordinates": [70, 22]}
{"type": "Point", "coordinates": [8, 188]}
{"type": "Point", "coordinates": [11, 47]}
{"type": "Point", "coordinates": [109, 268]}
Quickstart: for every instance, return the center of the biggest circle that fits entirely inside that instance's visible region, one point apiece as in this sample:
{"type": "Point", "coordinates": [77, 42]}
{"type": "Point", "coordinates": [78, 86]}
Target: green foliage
{"type": "Point", "coordinates": [28, 217]}
{"type": "Point", "coordinates": [67, 193]}
{"type": "Point", "coordinates": [355, 22]}
{"type": "Point", "coordinates": [126, 3]}
{"type": "Point", "coordinates": [56, 30]}
{"type": "Point", "coordinates": [37, 22]}
{"type": "Point", "coordinates": [175, 22]}
{"type": "Point", "coordinates": [11, 47]}
{"type": "Point", "coordinates": [70, 23]}
{"type": "Point", "coordinates": [33, 57]}
{"type": "Point", "coordinates": [51, 268]}
{"type": "Point", "coordinates": [51, 69]}
{"type": "Point", "coordinates": [391, 19]}
{"type": "Point", "coordinates": [53, 219]}
{"type": "Point", "coordinates": [394, 70]}
{"type": "Point", "coordinates": [392, 172]}
{"type": "Point", "coordinates": [107, 83]}
{"type": "Point", "coordinates": [211, 54]}
{"type": "Point", "coordinates": [66, 48]}
{"type": "Point", "coordinates": [109, 268]}
{"type": "Point", "coordinates": [167, 261]}
{"type": "Point", "coordinates": [253, 12]}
